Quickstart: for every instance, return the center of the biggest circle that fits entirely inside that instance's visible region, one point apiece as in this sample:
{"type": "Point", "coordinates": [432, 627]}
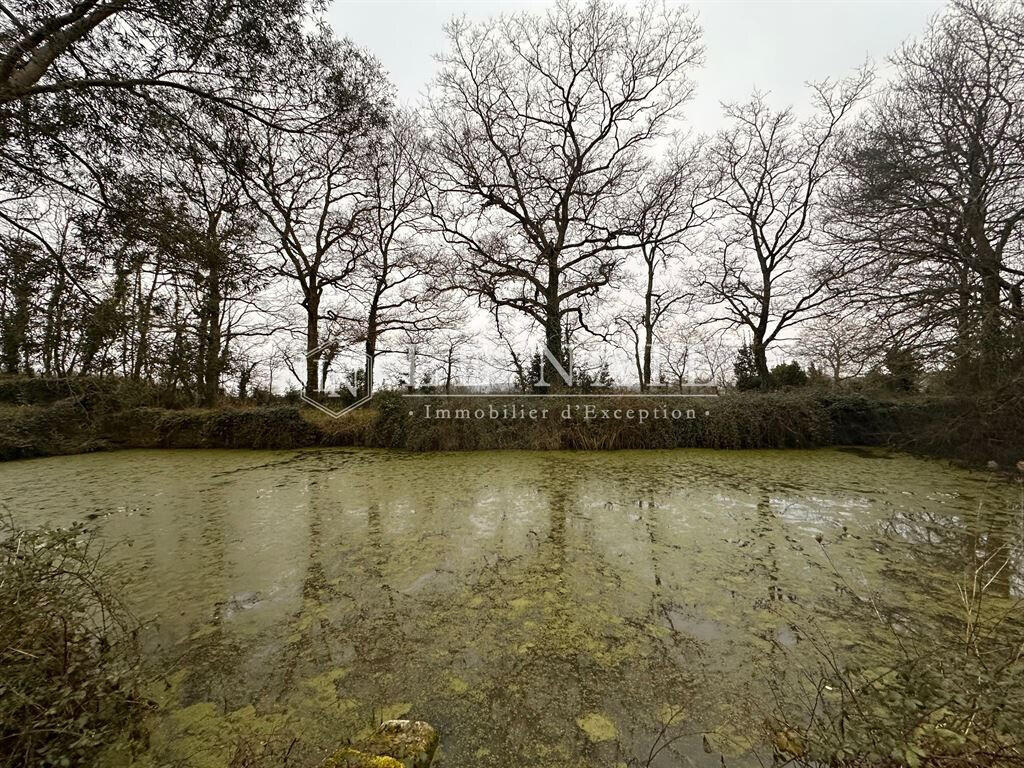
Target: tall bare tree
{"type": "Point", "coordinates": [539, 125]}
{"type": "Point", "coordinates": [312, 187]}
{"type": "Point", "coordinates": [310, 191]}
{"type": "Point", "coordinates": [845, 344]}
{"type": "Point", "coordinates": [770, 269]}
{"type": "Point", "coordinates": [672, 202]}
{"type": "Point", "coordinates": [393, 289]}
{"type": "Point", "coordinates": [937, 186]}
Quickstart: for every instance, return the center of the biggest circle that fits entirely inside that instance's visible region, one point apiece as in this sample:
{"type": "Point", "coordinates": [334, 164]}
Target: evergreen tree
{"type": "Point", "coordinates": [789, 375]}
{"type": "Point", "coordinates": [745, 369]}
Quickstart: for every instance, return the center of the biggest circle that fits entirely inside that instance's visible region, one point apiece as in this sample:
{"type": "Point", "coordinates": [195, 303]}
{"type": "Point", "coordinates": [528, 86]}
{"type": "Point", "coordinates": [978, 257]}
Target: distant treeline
{"type": "Point", "coordinates": [203, 195]}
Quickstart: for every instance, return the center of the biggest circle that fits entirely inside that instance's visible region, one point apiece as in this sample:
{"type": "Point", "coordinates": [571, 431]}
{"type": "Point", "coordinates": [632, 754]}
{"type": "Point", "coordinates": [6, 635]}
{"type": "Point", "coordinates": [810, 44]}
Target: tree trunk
{"type": "Point", "coordinates": [990, 362]}
{"type": "Point", "coordinates": [448, 372]}
{"type": "Point", "coordinates": [176, 363]}
{"type": "Point", "coordinates": [51, 334]}
{"type": "Point", "coordinates": [645, 380]}
{"type": "Point", "coordinates": [759, 346]}
{"type": "Point", "coordinates": [371, 347]}
{"type": "Point", "coordinates": [553, 341]}
{"type": "Point", "coordinates": [15, 333]}
{"type": "Point", "coordinates": [312, 305]}
{"type": "Point", "coordinates": [211, 359]}
{"type": "Point", "coordinates": [645, 384]}
{"type": "Point", "coordinates": [145, 323]}
{"type": "Point", "coordinates": [989, 267]}
{"type": "Point", "coordinates": [16, 324]}
{"type": "Point", "coordinates": [761, 361]}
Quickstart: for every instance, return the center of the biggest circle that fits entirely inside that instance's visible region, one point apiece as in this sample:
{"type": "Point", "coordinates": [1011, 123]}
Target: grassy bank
{"type": "Point", "coordinates": [40, 417]}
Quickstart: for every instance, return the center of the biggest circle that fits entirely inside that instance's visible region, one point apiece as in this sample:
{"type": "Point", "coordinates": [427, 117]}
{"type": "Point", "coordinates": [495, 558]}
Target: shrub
{"type": "Point", "coordinates": [976, 428]}
{"type": "Point", "coordinates": [902, 370]}
{"type": "Point", "coordinates": [93, 393]}
{"type": "Point", "coordinates": [69, 662]}
{"type": "Point", "coordinates": [754, 420]}
{"type": "Point", "coordinates": [34, 430]}
{"type": "Point", "coordinates": [788, 375]}
{"type": "Point", "coordinates": [270, 427]}
{"type": "Point", "coordinates": [390, 430]}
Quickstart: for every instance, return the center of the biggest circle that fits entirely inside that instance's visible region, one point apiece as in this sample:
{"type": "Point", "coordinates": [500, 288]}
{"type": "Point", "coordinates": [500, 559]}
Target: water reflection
{"type": "Point", "coordinates": [584, 609]}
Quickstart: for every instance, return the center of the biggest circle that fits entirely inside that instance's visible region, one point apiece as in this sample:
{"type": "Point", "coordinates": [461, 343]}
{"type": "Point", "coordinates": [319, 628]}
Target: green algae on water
{"type": "Point", "coordinates": [555, 609]}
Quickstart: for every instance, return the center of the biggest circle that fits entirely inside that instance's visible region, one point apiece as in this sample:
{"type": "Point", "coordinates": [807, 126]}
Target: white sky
{"type": "Point", "coordinates": [774, 45]}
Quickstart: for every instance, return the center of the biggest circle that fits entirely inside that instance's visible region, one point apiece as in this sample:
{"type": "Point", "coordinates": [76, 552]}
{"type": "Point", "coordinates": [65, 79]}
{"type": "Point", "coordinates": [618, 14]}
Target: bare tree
{"type": "Point", "coordinates": [936, 187]}
{"type": "Point", "coordinates": [713, 354]}
{"type": "Point", "coordinates": [771, 269]}
{"type": "Point", "coordinates": [511, 349]}
{"type": "Point", "coordinates": [393, 288]}
{"type": "Point", "coordinates": [672, 201]}
{"type": "Point", "coordinates": [312, 188]}
{"type": "Point", "coordinates": [539, 122]}
{"type": "Point", "coordinates": [676, 356]}
{"type": "Point", "coordinates": [448, 353]}
{"type": "Point", "coordinates": [692, 350]}
{"type": "Point", "coordinates": [310, 192]}
{"type": "Point", "coordinates": [845, 344]}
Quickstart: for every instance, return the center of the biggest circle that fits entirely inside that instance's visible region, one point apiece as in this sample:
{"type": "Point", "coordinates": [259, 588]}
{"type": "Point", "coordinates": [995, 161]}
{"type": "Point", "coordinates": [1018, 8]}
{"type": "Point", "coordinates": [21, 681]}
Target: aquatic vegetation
{"type": "Point", "coordinates": [411, 743]}
{"type": "Point", "coordinates": [294, 600]}
{"type": "Point", "coordinates": [597, 727]}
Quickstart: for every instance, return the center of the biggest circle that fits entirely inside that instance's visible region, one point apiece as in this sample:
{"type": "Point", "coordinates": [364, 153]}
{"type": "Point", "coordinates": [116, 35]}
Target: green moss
{"type": "Point", "coordinates": [395, 711]}
{"type": "Point", "coordinates": [597, 727]}
{"type": "Point", "coordinates": [457, 684]}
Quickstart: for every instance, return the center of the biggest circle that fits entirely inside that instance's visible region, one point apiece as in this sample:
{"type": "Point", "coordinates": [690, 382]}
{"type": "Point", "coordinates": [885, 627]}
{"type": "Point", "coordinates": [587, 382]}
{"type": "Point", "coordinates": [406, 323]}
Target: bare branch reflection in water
{"type": "Point", "coordinates": [508, 597]}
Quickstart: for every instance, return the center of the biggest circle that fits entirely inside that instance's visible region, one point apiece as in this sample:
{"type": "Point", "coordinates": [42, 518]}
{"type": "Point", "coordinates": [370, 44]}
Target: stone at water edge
{"type": "Point", "coordinates": [993, 465]}
{"type": "Point", "coordinates": [789, 743]}
{"type": "Point", "coordinates": [411, 742]}
{"type": "Point", "coordinates": [395, 744]}
{"type": "Point", "coordinates": [353, 758]}
{"type": "Point", "coordinates": [1020, 465]}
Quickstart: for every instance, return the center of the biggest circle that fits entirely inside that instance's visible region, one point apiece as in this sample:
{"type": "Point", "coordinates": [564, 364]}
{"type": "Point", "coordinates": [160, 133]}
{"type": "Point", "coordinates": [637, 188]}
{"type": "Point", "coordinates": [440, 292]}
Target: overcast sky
{"type": "Point", "coordinates": [773, 45]}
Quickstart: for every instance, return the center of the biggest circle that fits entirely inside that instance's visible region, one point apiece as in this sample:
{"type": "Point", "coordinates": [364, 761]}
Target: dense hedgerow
{"type": "Point", "coordinates": [38, 417]}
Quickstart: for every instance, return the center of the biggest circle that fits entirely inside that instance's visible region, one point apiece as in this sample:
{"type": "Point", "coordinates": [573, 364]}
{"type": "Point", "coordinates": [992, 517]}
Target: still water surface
{"type": "Point", "coordinates": [542, 609]}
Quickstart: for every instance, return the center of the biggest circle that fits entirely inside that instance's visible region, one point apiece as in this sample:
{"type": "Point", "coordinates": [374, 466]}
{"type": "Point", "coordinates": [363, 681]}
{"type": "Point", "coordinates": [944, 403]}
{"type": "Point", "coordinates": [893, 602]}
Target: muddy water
{"type": "Point", "coordinates": [541, 609]}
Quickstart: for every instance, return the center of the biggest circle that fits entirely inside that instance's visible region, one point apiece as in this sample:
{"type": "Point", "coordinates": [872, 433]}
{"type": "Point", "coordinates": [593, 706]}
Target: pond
{"type": "Point", "coordinates": [542, 609]}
